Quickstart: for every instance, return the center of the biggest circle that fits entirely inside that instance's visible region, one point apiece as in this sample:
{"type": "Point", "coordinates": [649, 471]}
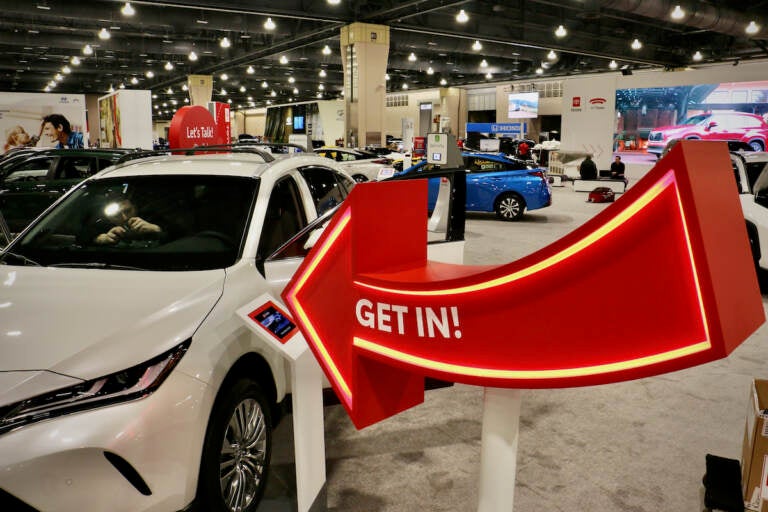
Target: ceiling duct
{"type": "Point", "coordinates": [697, 14]}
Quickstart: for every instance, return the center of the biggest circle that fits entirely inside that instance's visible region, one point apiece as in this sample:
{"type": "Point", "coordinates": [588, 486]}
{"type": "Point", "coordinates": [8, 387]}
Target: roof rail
{"type": "Point", "coordinates": [218, 148]}
{"type": "Point", "coordinates": [253, 142]}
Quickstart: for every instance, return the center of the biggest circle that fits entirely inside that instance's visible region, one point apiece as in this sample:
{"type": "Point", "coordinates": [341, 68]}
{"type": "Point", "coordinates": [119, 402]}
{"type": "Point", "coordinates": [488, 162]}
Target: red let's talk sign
{"type": "Point", "coordinates": [379, 317]}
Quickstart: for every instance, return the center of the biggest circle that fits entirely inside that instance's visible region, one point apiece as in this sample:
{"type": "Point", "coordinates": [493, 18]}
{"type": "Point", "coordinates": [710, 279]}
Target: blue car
{"type": "Point", "coordinates": [496, 183]}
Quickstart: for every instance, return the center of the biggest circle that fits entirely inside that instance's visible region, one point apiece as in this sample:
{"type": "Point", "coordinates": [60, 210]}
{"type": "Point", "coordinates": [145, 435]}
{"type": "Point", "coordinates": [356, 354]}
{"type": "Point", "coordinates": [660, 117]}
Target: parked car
{"type": "Point", "coordinates": [498, 184]}
{"type": "Point", "coordinates": [32, 181]}
{"type": "Point", "coordinates": [127, 381]}
{"type": "Point", "coordinates": [360, 164]}
{"type": "Point", "coordinates": [736, 126]}
{"type": "Point", "coordinates": [751, 172]}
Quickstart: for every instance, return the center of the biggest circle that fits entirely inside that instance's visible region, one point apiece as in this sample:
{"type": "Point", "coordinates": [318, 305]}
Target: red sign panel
{"type": "Point", "coordinates": [191, 126]}
{"type": "Point", "coordinates": [674, 250]}
{"type": "Point", "coordinates": [576, 101]}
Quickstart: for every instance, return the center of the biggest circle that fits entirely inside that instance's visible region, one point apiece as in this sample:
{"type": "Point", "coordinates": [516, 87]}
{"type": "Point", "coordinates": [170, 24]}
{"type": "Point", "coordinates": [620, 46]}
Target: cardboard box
{"type": "Point", "coordinates": [754, 455]}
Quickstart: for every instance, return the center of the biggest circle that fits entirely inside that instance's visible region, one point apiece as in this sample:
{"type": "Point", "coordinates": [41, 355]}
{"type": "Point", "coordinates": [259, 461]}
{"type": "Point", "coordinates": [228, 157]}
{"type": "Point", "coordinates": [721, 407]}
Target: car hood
{"type": "Point", "coordinates": [87, 323]}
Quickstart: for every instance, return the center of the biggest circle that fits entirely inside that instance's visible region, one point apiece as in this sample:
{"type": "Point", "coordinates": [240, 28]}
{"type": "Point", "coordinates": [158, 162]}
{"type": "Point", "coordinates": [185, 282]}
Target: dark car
{"type": "Point", "coordinates": [33, 180]}
{"type": "Point", "coordinates": [734, 126]}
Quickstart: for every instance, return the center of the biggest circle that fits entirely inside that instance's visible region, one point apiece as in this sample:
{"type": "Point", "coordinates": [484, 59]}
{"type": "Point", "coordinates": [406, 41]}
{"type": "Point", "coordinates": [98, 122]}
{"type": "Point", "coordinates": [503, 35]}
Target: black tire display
{"type": "Point", "coordinates": [237, 450]}
{"type": "Point", "coordinates": [510, 206]}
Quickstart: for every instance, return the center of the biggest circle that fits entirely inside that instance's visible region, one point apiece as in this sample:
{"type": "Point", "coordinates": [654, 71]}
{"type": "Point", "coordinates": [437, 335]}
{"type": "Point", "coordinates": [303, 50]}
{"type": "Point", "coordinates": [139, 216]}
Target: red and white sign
{"type": "Point", "coordinates": [661, 280]}
{"type": "Point", "coordinates": [192, 126]}
{"type": "Point", "coordinates": [576, 101]}
{"type": "Point", "coordinates": [597, 101]}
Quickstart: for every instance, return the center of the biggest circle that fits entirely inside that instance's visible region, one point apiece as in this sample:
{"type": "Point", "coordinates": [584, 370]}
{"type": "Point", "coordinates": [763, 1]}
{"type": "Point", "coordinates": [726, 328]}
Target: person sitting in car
{"type": "Point", "coordinates": [125, 223]}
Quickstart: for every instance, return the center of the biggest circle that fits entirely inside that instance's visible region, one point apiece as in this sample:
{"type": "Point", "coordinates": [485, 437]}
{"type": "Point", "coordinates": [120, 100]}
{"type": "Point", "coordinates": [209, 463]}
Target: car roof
{"type": "Point", "coordinates": [226, 164]}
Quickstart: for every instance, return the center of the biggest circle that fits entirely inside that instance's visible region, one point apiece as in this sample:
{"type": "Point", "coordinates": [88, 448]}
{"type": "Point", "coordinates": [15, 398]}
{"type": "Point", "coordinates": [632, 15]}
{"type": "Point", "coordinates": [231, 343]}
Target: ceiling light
{"type": "Point", "coordinates": [488, 75]}
{"type": "Point", "coordinates": [319, 95]}
{"type": "Point", "coordinates": [104, 34]}
{"type": "Point", "coordinates": [264, 85]}
{"type": "Point", "coordinates": [192, 56]}
{"type": "Point", "coordinates": [322, 73]}
{"type": "Point", "coordinates": [168, 66]}
{"type": "Point", "coordinates": [169, 91]}
{"type": "Point", "coordinates": [539, 71]}
{"type": "Point", "coordinates": [229, 100]}
{"type": "Point", "coordinates": [477, 46]}
{"type": "Point", "coordinates": [134, 80]}
{"type": "Point", "coordinates": [242, 88]}
{"type": "Point", "coordinates": [128, 9]}
{"type": "Point", "coordinates": [59, 77]}
{"type": "Point", "coordinates": [111, 89]}
{"type": "Point", "coordinates": [250, 70]}
{"type": "Point", "coordinates": [75, 60]}
{"type": "Point", "coordinates": [66, 70]}
{"type": "Point", "coordinates": [412, 57]}
{"type": "Point", "coordinates": [121, 86]}
{"type": "Point", "coordinates": [326, 50]}
{"type": "Point", "coordinates": [483, 63]}
{"type": "Point", "coordinates": [752, 29]}
{"type": "Point", "coordinates": [334, 2]}
{"type": "Point", "coordinates": [223, 91]}
{"type": "Point", "coordinates": [697, 56]}
{"type": "Point", "coordinates": [295, 90]}
{"type": "Point", "coordinates": [551, 55]}
{"type": "Point", "coordinates": [202, 22]}
{"type": "Point", "coordinates": [636, 44]}
{"type": "Point", "coordinates": [269, 24]}
{"type": "Point", "coordinates": [560, 31]}
{"type": "Point", "coordinates": [44, 7]}
{"type": "Point", "coordinates": [87, 50]}
{"type": "Point", "coordinates": [430, 71]}
{"type": "Point", "coordinates": [224, 77]}
{"type": "Point", "coordinates": [283, 59]}
{"type": "Point", "coordinates": [184, 87]}
{"type": "Point", "coordinates": [677, 13]}
{"type": "Point", "coordinates": [405, 86]}
{"type": "Point", "coordinates": [613, 64]}
{"type": "Point", "coordinates": [321, 87]}
{"type": "Point", "coordinates": [225, 42]}
{"type": "Point", "coordinates": [47, 89]}
{"type": "Point", "coordinates": [174, 102]}
{"type": "Point", "coordinates": [186, 100]}
{"type": "Point", "coordinates": [443, 81]}
{"type": "Point", "coordinates": [462, 17]}
{"type": "Point", "coordinates": [273, 93]}
{"type": "Point", "coordinates": [386, 76]}
{"type": "Point", "coordinates": [291, 79]}
{"type": "Point", "coordinates": [150, 74]}
{"type": "Point", "coordinates": [52, 84]}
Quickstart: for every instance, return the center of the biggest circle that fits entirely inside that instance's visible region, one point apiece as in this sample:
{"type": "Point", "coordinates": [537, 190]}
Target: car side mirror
{"type": "Point", "coordinates": [711, 125]}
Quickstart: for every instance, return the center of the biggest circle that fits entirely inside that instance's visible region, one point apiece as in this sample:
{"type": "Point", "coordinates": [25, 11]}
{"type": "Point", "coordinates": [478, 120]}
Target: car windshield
{"type": "Point", "coordinates": [696, 119]}
{"type": "Point", "coordinates": [155, 222]}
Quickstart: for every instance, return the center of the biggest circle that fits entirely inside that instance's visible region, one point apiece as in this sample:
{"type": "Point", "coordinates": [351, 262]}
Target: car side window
{"type": "Point", "coordinates": [31, 170]}
{"type": "Point", "coordinates": [347, 157]}
{"type": "Point", "coordinates": [483, 165]}
{"type": "Point", "coordinates": [284, 218]}
{"type": "Point", "coordinates": [78, 167]}
{"type": "Point", "coordinates": [328, 188]}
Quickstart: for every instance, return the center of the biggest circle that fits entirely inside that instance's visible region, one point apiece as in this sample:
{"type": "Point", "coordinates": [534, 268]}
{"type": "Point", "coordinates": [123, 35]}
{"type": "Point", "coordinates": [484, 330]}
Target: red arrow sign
{"type": "Point", "coordinates": [661, 280]}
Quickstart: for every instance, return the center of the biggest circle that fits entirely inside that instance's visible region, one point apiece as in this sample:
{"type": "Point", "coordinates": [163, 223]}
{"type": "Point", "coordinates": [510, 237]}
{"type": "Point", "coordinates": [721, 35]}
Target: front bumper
{"type": "Point", "coordinates": [98, 459]}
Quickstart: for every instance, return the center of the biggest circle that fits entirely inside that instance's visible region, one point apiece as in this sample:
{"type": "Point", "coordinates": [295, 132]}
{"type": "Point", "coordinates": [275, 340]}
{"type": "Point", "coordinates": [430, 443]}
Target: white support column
{"type": "Point", "coordinates": [498, 450]}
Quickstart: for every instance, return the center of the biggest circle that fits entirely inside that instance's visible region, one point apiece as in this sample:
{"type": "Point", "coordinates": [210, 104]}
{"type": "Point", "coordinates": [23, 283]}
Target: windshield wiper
{"type": "Point", "coordinates": [20, 258]}
{"type": "Point", "coordinates": [95, 264]}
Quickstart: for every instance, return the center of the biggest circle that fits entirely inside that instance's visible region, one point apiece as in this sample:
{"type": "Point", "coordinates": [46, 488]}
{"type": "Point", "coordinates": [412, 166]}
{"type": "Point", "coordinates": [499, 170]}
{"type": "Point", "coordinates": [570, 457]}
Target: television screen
{"type": "Point", "coordinates": [523, 105]}
{"type": "Point", "coordinates": [298, 123]}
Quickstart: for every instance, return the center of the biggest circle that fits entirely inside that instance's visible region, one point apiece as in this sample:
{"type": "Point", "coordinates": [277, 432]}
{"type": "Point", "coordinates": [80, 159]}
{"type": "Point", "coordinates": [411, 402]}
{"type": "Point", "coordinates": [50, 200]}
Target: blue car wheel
{"type": "Point", "coordinates": [509, 206]}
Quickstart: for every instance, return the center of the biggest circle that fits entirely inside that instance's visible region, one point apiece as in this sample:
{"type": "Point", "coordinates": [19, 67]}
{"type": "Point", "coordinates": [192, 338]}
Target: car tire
{"type": "Point", "coordinates": [757, 145]}
{"type": "Point", "coordinates": [510, 207]}
{"type": "Point", "coordinates": [360, 178]}
{"type": "Point", "coordinates": [237, 450]}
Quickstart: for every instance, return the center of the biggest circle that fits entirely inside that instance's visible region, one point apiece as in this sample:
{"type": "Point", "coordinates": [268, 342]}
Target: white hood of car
{"type": "Point", "coordinates": [87, 323]}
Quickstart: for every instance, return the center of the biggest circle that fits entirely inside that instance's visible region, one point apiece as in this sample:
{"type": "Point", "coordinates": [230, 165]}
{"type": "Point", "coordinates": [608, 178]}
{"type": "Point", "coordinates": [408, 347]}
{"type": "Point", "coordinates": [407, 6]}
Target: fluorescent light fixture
{"type": "Point", "coordinates": [128, 9]}
{"type": "Point", "coordinates": [269, 24]}
{"type": "Point", "coordinates": [462, 16]}
{"type": "Point", "coordinates": [560, 31]}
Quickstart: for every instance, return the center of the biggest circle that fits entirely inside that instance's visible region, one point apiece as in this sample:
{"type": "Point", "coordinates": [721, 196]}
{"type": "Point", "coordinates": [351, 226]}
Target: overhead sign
{"type": "Point", "coordinates": [511, 129]}
{"type": "Point", "coordinates": [661, 280]}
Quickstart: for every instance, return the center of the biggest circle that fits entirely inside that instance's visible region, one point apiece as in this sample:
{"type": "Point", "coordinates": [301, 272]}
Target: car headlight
{"type": "Point", "coordinates": [134, 383]}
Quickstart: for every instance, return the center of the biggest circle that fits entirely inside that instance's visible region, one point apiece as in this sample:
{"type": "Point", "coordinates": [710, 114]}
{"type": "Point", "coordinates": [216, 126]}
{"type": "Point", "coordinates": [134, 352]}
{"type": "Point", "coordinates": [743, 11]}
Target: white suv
{"type": "Point", "coordinates": [127, 381]}
{"type": "Point", "coordinates": [751, 171]}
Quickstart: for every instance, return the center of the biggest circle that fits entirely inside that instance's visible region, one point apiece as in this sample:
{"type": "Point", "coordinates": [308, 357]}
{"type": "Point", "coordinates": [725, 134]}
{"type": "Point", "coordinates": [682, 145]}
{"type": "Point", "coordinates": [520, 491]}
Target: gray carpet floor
{"type": "Point", "coordinates": [636, 446]}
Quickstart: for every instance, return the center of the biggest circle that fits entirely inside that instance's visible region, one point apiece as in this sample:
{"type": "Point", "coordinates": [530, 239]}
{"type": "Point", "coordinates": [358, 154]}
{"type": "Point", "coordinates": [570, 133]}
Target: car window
{"type": "Point", "coordinates": [78, 167]}
{"type": "Point", "coordinates": [475, 164]}
{"type": "Point", "coordinates": [284, 218]}
{"type": "Point", "coordinates": [187, 222]}
{"type": "Point", "coordinates": [32, 169]}
{"type": "Point", "coordinates": [328, 188]}
{"type": "Point", "coordinates": [754, 170]}
{"type": "Point", "coordinates": [104, 163]}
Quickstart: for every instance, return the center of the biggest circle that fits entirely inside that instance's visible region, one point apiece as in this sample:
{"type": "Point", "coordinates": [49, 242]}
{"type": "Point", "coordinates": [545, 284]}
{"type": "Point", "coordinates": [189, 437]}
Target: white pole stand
{"type": "Point", "coordinates": [498, 449]}
{"type": "Point", "coordinates": [308, 433]}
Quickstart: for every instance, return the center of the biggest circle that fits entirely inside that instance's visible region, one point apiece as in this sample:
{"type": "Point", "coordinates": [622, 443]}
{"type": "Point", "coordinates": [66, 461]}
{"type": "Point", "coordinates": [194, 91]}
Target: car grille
{"type": "Point", "coordinates": [655, 136]}
{"type": "Point", "coordinates": [12, 503]}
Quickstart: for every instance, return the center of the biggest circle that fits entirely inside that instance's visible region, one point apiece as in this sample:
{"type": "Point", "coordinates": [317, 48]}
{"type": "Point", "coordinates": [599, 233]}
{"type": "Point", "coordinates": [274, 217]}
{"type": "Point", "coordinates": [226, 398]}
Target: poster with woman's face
{"type": "Point", "coordinates": [22, 115]}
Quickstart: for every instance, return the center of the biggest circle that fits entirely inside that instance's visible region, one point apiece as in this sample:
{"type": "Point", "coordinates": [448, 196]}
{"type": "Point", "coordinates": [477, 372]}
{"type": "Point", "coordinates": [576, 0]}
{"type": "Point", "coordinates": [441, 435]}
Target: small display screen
{"type": "Point", "coordinates": [298, 122]}
{"type": "Point", "coordinates": [437, 156]}
{"type": "Point", "coordinates": [274, 321]}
